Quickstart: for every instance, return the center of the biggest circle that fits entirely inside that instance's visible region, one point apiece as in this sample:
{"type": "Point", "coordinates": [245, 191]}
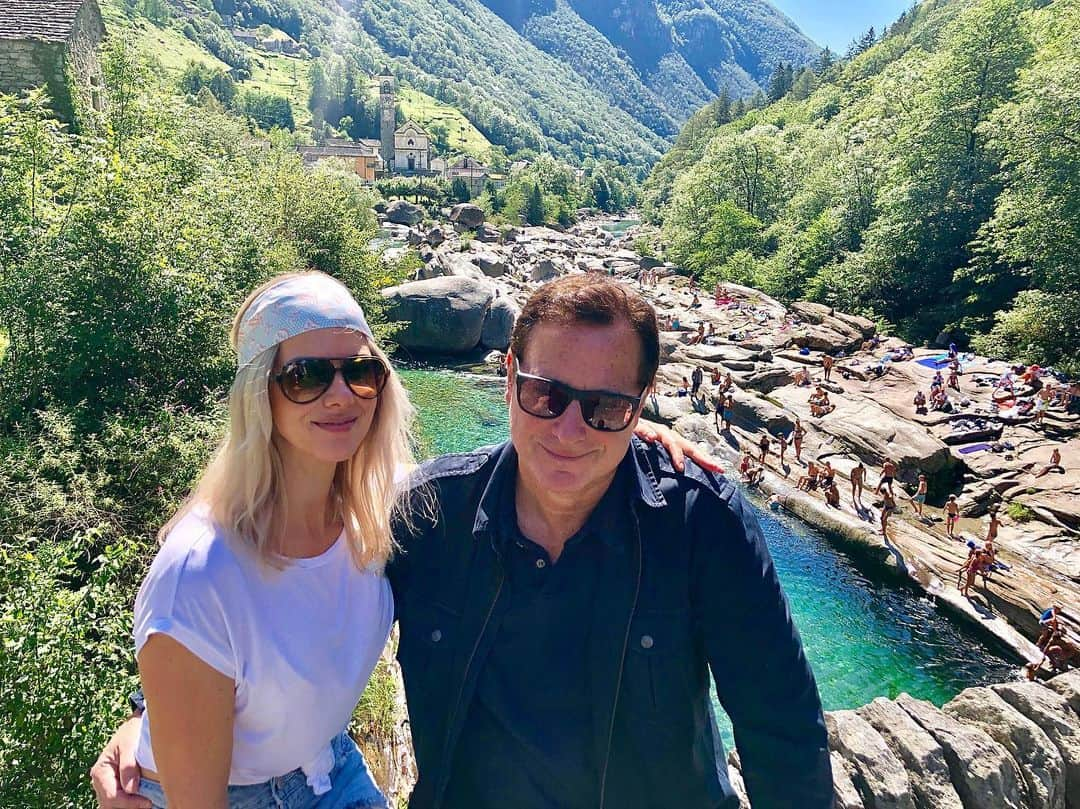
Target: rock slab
{"type": "Point", "coordinates": [443, 314]}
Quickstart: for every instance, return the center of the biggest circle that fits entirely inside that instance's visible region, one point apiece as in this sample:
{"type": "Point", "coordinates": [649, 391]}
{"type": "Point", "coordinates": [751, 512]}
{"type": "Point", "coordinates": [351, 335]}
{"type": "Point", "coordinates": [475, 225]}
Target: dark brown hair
{"type": "Point", "coordinates": [591, 300]}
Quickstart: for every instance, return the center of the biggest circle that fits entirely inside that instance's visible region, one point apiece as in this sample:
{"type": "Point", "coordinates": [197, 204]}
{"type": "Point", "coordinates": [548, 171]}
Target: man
{"type": "Point", "coordinates": [559, 620]}
{"type": "Point", "coordinates": [696, 378]}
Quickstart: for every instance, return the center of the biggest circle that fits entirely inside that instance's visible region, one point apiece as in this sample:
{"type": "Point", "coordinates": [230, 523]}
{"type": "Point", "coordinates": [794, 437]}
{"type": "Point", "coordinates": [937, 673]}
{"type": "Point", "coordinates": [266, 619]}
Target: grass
{"type": "Point", "coordinates": [425, 110]}
{"type": "Point", "coordinates": [282, 75]}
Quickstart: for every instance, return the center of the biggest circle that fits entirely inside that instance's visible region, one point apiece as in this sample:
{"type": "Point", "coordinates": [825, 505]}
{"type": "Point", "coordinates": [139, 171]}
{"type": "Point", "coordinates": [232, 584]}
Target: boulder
{"type": "Point", "coordinates": [499, 323]}
{"type": "Point", "coordinates": [982, 771]}
{"type": "Point", "coordinates": [1039, 760]}
{"type": "Point", "coordinates": [1068, 685]}
{"type": "Point", "coordinates": [845, 795]}
{"type": "Point", "coordinates": [768, 379]}
{"type": "Point", "coordinates": [544, 270]}
{"type": "Point", "coordinates": [441, 314]}
{"type": "Point", "coordinates": [379, 206]}
{"type": "Point", "coordinates": [877, 772]}
{"type": "Point", "coordinates": [467, 215]}
{"type": "Point", "coordinates": [734, 769]}
{"type": "Point", "coordinates": [866, 327]}
{"type": "Point", "coordinates": [1050, 711]}
{"type": "Point", "coordinates": [921, 754]}
{"type": "Point", "coordinates": [461, 264]}
{"type": "Point", "coordinates": [753, 413]}
{"type": "Point", "coordinates": [488, 234]}
{"type": "Point", "coordinates": [666, 409]}
{"type": "Point", "coordinates": [491, 265]}
{"type": "Point", "coordinates": [401, 212]}
{"type": "Point", "coordinates": [649, 263]}
{"type": "Point", "coordinates": [823, 338]}
{"type": "Point", "coordinates": [435, 236]}
{"type": "Point", "coordinates": [414, 238]}
{"type": "Point", "coordinates": [514, 234]}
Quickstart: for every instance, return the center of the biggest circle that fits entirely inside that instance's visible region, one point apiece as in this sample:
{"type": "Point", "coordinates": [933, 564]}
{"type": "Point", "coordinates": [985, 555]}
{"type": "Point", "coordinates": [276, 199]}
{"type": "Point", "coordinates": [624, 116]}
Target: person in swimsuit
{"type": "Point", "coordinates": [888, 506]}
{"type": "Point", "coordinates": [782, 442]}
{"type": "Point", "coordinates": [827, 365]}
{"type": "Point", "coordinates": [832, 494]}
{"type": "Point", "coordinates": [888, 473]}
{"type": "Point", "coordinates": [797, 438]}
{"type": "Point", "coordinates": [995, 524]}
{"type": "Point", "coordinates": [826, 475]}
{"type": "Point", "coordinates": [858, 478]}
{"type": "Point", "coordinates": [764, 444]}
{"type": "Point", "coordinates": [1053, 466]}
{"type": "Point", "coordinates": [952, 514]}
{"type": "Point", "coordinates": [919, 498]}
{"type": "Point", "coordinates": [809, 481]}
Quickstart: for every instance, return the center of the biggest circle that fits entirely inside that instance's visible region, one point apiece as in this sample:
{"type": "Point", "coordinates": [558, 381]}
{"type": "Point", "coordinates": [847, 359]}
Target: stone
{"type": "Point", "coordinates": [1038, 758]}
{"type": "Point", "coordinates": [811, 312]}
{"type": "Point", "coordinates": [666, 409]}
{"type": "Point", "coordinates": [768, 379]}
{"type": "Point", "coordinates": [499, 323]}
{"type": "Point", "coordinates": [544, 270]}
{"type": "Point", "coordinates": [649, 263]}
{"type": "Point", "coordinates": [1051, 712]}
{"type": "Point", "coordinates": [922, 755]}
{"type": "Point", "coordinates": [513, 234]}
{"type": "Point", "coordinates": [734, 769]}
{"type": "Point", "coordinates": [489, 234]}
{"type": "Point", "coordinates": [876, 771]}
{"type": "Point", "coordinates": [982, 771]}
{"type": "Point", "coordinates": [866, 327]}
{"type": "Point", "coordinates": [379, 206]}
{"type": "Point", "coordinates": [467, 215]}
{"type": "Point", "coordinates": [461, 264]}
{"type": "Point", "coordinates": [401, 212]}
{"type": "Point", "coordinates": [1068, 685]}
{"type": "Point", "coordinates": [414, 238]}
{"type": "Point", "coordinates": [443, 315]}
{"type": "Point", "coordinates": [435, 236]}
{"type": "Point", "coordinates": [491, 265]}
{"type": "Point", "coordinates": [845, 795]}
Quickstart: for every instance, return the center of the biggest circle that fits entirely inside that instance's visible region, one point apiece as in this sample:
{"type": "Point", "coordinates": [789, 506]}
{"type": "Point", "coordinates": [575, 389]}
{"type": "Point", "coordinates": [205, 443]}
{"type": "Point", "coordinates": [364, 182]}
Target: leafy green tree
{"type": "Point", "coordinates": [459, 190]}
{"type": "Point", "coordinates": [534, 207]}
{"type": "Point", "coordinates": [602, 193]}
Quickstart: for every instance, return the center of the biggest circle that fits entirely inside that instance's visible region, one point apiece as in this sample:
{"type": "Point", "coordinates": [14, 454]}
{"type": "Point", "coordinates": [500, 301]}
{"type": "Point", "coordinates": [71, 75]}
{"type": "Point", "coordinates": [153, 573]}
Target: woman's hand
{"type": "Point", "coordinates": [676, 445]}
{"type": "Point", "coordinates": [115, 775]}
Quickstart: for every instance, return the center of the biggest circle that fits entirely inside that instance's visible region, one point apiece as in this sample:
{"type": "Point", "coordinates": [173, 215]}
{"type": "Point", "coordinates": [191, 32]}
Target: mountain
{"type": "Point", "coordinates": [601, 79]}
{"type": "Point", "coordinates": [930, 182]}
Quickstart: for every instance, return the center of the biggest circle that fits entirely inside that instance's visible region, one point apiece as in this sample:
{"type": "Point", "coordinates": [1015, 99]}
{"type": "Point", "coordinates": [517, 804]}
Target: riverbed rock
{"type": "Point", "coordinates": [499, 323]}
{"type": "Point", "coordinates": [767, 379]}
{"type": "Point", "coordinates": [1038, 758]}
{"type": "Point", "coordinates": [467, 215]}
{"type": "Point", "coordinates": [982, 771]}
{"type": "Point", "coordinates": [1068, 685]}
{"type": "Point", "coordinates": [444, 315]}
{"type": "Point", "coordinates": [490, 264]}
{"type": "Point", "coordinates": [1050, 711]}
{"type": "Point", "coordinates": [401, 212]}
{"type": "Point", "coordinates": [667, 409]}
{"type": "Point", "coordinates": [877, 772]}
{"type": "Point", "coordinates": [845, 795]}
{"type": "Point", "coordinates": [435, 236]}
{"type": "Point", "coordinates": [544, 270]}
{"type": "Point", "coordinates": [735, 776]}
{"type": "Point", "coordinates": [488, 234]}
{"type": "Point", "coordinates": [922, 755]}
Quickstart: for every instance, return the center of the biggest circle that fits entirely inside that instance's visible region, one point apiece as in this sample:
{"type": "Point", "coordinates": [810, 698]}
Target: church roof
{"type": "Point", "coordinates": [44, 20]}
{"type": "Point", "coordinates": [415, 127]}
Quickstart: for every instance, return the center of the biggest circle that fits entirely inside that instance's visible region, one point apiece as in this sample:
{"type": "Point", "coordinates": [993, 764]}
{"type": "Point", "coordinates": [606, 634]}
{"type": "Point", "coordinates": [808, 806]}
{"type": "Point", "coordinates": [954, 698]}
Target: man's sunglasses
{"type": "Point", "coordinates": [548, 399]}
{"type": "Point", "coordinates": [305, 380]}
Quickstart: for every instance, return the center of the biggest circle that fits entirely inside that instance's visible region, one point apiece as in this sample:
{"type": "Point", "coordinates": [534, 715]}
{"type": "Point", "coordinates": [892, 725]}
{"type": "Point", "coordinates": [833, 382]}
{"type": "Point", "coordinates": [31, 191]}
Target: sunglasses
{"type": "Point", "coordinates": [548, 399]}
{"type": "Point", "coordinates": [305, 380]}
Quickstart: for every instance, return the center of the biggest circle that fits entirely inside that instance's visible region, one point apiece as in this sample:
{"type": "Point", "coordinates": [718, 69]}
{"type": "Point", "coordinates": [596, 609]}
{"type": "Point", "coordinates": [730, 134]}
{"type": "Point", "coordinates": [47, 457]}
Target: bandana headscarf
{"type": "Point", "coordinates": [297, 305]}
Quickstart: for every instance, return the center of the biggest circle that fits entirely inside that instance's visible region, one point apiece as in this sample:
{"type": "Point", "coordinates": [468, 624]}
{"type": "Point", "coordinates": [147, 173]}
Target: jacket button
{"type": "Point", "coordinates": [436, 636]}
{"type": "Point", "coordinates": [646, 642]}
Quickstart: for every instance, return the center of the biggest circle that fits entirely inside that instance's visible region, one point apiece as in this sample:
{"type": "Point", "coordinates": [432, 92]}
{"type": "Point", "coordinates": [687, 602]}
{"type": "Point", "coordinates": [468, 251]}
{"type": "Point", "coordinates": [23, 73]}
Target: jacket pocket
{"type": "Point", "coordinates": [660, 655]}
{"type": "Point", "coordinates": [428, 638]}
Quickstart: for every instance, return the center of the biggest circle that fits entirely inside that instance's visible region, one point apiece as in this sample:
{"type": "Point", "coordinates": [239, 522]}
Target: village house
{"type": "Point", "coordinates": [53, 43]}
{"type": "Point", "coordinates": [363, 156]}
{"type": "Point", "coordinates": [471, 170]}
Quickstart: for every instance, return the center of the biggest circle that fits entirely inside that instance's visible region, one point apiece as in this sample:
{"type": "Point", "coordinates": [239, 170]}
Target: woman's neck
{"type": "Point", "coordinates": [312, 522]}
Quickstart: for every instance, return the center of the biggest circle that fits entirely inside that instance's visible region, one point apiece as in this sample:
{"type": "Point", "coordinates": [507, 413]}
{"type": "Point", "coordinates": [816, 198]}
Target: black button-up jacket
{"type": "Point", "coordinates": [691, 589]}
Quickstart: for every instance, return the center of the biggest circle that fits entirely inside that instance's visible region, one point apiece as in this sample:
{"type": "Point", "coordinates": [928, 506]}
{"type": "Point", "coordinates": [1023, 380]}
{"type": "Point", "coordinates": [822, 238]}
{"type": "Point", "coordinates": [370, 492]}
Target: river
{"type": "Point", "coordinates": [864, 637]}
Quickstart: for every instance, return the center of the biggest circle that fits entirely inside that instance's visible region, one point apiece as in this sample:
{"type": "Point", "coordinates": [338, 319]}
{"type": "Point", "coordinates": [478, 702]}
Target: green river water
{"type": "Point", "coordinates": [864, 638]}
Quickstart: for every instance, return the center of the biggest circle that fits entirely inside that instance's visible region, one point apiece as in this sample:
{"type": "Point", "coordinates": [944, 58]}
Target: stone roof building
{"type": "Point", "coordinates": [53, 43]}
{"type": "Point", "coordinates": [363, 156]}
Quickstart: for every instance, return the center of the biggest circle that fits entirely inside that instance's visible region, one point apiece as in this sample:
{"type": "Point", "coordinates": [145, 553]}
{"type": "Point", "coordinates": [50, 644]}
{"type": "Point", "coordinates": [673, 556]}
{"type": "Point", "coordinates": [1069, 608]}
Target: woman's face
{"type": "Point", "coordinates": [331, 428]}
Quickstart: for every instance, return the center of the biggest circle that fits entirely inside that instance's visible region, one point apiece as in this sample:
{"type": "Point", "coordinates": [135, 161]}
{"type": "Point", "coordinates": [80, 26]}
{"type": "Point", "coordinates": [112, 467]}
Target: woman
{"type": "Point", "coordinates": [265, 610]}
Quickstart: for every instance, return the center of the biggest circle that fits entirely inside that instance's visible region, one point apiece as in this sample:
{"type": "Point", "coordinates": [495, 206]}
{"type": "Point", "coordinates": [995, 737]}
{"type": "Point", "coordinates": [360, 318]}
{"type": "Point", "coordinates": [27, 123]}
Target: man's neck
{"type": "Point", "coordinates": [549, 519]}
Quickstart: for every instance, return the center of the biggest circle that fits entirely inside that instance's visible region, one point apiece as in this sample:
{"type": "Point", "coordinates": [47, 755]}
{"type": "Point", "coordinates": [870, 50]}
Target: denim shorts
{"type": "Point", "coordinates": [352, 787]}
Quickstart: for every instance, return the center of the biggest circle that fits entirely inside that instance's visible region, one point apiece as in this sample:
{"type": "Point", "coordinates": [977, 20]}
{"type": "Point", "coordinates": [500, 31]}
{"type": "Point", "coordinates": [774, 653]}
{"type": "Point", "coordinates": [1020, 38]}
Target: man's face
{"type": "Point", "coordinates": [564, 455]}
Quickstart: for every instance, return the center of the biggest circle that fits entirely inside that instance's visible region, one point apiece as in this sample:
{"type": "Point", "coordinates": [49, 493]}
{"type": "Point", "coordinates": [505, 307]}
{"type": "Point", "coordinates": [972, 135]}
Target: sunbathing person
{"type": "Point", "coordinates": [801, 377]}
{"type": "Point", "coordinates": [826, 475]}
{"type": "Point", "coordinates": [715, 377]}
{"type": "Point", "coordinates": [819, 403]}
{"type": "Point", "coordinates": [1053, 466]}
{"type": "Point", "coordinates": [832, 494]}
{"type": "Point", "coordinates": [809, 481]}
{"type": "Point", "coordinates": [920, 403]}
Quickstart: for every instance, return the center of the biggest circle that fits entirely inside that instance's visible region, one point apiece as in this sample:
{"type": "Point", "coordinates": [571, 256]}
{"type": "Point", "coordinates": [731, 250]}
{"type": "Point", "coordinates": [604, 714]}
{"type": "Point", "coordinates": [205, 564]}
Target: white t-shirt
{"type": "Point", "coordinates": [300, 643]}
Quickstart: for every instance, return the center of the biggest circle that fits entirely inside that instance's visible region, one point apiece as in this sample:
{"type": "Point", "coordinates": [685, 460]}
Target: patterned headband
{"type": "Point", "coordinates": [297, 305]}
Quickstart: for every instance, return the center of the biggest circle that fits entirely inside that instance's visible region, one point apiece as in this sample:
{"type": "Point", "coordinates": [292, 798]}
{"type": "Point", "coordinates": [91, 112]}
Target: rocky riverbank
{"type": "Point", "coordinates": [475, 277]}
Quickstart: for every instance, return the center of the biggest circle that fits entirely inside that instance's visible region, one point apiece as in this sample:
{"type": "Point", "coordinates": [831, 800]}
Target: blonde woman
{"type": "Point", "coordinates": [266, 608]}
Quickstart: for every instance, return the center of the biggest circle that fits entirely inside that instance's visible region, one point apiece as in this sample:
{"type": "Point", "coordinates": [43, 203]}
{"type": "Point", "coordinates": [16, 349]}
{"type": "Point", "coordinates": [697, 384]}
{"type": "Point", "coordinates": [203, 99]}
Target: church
{"type": "Point", "coordinates": [405, 149]}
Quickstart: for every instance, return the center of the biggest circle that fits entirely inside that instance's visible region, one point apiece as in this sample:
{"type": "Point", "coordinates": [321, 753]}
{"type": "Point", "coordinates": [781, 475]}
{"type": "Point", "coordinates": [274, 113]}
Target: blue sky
{"type": "Point", "coordinates": [837, 23]}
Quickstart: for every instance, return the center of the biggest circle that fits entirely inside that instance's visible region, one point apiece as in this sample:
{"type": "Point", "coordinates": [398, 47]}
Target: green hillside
{"type": "Point", "coordinates": [932, 182]}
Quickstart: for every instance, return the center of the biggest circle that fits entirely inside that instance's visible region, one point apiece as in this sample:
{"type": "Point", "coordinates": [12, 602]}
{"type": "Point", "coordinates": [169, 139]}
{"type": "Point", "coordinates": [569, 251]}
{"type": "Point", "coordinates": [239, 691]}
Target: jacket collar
{"type": "Point", "coordinates": [637, 468]}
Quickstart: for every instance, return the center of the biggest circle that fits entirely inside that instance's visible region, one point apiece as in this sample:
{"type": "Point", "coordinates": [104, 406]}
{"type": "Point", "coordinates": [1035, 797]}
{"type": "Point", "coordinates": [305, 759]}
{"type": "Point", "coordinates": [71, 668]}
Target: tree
{"type": "Point", "coordinates": [459, 190]}
{"type": "Point", "coordinates": [781, 81]}
{"type": "Point", "coordinates": [602, 193]}
{"type": "Point", "coordinates": [534, 206]}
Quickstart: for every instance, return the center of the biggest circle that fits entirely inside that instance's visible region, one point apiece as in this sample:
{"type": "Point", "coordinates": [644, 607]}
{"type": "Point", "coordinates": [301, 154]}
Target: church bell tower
{"type": "Point", "coordinates": [387, 117]}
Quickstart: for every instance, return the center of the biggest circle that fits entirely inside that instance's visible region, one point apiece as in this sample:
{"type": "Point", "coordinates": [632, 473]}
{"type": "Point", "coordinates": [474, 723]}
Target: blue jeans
{"type": "Point", "coordinates": [352, 787]}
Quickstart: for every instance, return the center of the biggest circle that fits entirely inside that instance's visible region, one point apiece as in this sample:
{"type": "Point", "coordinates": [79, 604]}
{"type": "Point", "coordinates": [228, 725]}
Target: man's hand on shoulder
{"type": "Point", "coordinates": [678, 447]}
{"type": "Point", "coordinates": [115, 775]}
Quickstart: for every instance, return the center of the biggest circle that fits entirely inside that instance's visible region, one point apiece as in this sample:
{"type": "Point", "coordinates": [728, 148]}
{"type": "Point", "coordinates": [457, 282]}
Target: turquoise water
{"type": "Point", "coordinates": [619, 226]}
{"type": "Point", "coordinates": [864, 639]}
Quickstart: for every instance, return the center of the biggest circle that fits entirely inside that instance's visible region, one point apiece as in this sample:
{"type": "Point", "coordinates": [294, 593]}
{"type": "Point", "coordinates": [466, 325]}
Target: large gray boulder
{"type": "Point", "coordinates": [467, 215]}
{"type": "Point", "coordinates": [490, 264]}
{"type": "Point", "coordinates": [401, 212]}
{"type": "Point", "coordinates": [1068, 685]}
{"type": "Point", "coordinates": [435, 236]}
{"type": "Point", "coordinates": [921, 754]}
{"type": "Point", "coordinates": [1052, 714]}
{"type": "Point", "coordinates": [768, 379]}
{"type": "Point", "coordinates": [488, 233]}
{"type": "Point", "coordinates": [845, 795]}
{"type": "Point", "coordinates": [544, 270]}
{"type": "Point", "coordinates": [461, 264]}
{"type": "Point", "coordinates": [499, 323]}
{"type": "Point", "coordinates": [876, 771]}
{"type": "Point", "coordinates": [982, 771]}
{"type": "Point", "coordinates": [444, 315]}
{"type": "Point", "coordinates": [1039, 760]}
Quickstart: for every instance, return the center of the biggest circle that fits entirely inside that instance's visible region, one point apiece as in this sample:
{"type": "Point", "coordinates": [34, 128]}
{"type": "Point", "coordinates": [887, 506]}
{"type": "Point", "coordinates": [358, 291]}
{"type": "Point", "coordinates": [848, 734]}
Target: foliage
{"type": "Point", "coordinates": [929, 182]}
{"type": "Point", "coordinates": [1019, 512]}
{"type": "Point", "coordinates": [267, 110]}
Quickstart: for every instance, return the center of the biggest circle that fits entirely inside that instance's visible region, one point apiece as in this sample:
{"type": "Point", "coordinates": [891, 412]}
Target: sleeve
{"type": "Point", "coordinates": [181, 598]}
{"type": "Point", "coordinates": [756, 657]}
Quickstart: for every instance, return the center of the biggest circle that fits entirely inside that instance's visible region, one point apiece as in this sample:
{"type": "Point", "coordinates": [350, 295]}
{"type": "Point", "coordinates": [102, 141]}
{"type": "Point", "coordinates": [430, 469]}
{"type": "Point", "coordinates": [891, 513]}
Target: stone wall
{"type": "Point", "coordinates": [1009, 746]}
{"type": "Point", "coordinates": [83, 61]}
{"type": "Point", "coordinates": [27, 63]}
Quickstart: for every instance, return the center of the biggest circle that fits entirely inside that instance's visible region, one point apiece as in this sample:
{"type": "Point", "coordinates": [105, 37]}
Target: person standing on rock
{"type": "Point", "coordinates": [797, 436]}
{"type": "Point", "coordinates": [888, 506]}
{"type": "Point", "coordinates": [764, 444]}
{"type": "Point", "coordinates": [696, 378]}
{"type": "Point", "coordinates": [952, 516]}
{"type": "Point", "coordinates": [858, 479]}
{"type": "Point", "coordinates": [782, 443]}
{"type": "Point", "coordinates": [888, 474]}
{"type": "Point", "coordinates": [995, 524]}
{"type": "Point", "coordinates": [919, 498]}
{"type": "Point", "coordinates": [827, 365]}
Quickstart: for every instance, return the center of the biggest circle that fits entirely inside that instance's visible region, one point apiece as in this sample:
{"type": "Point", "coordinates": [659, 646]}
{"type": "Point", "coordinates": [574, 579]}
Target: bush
{"type": "Point", "coordinates": [1019, 512]}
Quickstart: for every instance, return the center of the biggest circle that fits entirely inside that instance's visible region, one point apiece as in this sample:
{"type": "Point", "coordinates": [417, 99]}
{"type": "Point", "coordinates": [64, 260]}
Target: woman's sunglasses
{"type": "Point", "coordinates": [305, 380]}
{"type": "Point", "coordinates": [548, 399]}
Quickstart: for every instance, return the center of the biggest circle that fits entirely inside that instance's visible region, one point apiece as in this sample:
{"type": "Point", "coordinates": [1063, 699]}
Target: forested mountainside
{"type": "Point", "coordinates": [932, 182]}
{"type": "Point", "coordinates": [577, 78]}
{"type": "Point", "coordinates": [660, 60]}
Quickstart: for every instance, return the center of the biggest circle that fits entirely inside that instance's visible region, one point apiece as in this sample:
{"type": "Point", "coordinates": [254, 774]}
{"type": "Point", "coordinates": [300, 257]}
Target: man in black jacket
{"type": "Point", "coordinates": [560, 615]}
{"type": "Point", "coordinates": [559, 618]}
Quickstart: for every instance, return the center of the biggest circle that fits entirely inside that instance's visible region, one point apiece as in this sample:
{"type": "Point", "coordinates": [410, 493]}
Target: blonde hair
{"type": "Point", "coordinates": [242, 485]}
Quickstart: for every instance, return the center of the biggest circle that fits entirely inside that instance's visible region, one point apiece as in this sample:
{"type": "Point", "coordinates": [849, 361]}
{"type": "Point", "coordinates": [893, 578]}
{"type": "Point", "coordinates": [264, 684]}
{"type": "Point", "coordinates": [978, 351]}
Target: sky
{"type": "Point", "coordinates": [838, 22]}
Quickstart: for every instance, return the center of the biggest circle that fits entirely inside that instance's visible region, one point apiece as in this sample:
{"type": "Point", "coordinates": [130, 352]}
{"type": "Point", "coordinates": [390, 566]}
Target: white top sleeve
{"type": "Point", "coordinates": [180, 597]}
